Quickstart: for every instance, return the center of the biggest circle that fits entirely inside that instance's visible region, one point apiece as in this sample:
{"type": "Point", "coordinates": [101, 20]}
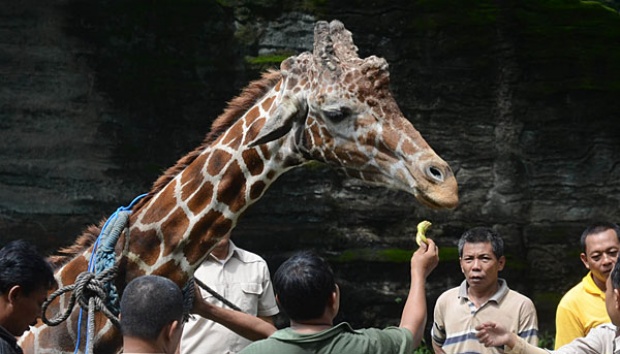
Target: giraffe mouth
{"type": "Point", "coordinates": [429, 202]}
{"type": "Point", "coordinates": [382, 179]}
{"type": "Point", "coordinates": [432, 183]}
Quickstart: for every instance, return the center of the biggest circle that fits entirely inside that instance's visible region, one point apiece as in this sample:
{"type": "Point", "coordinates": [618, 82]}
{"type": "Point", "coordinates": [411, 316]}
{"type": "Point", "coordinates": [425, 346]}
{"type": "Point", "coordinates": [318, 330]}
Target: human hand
{"type": "Point", "coordinates": [425, 259]}
{"type": "Point", "coordinates": [493, 334]}
{"type": "Point", "coordinates": [201, 306]}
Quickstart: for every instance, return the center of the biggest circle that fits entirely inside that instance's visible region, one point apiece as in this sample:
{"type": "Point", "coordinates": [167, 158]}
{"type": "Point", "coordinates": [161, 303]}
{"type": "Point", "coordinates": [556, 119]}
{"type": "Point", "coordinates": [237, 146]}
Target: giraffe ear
{"type": "Point", "coordinates": [280, 123]}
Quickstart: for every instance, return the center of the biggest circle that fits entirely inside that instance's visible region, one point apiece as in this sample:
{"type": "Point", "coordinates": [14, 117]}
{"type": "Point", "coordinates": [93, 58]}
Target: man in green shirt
{"type": "Point", "coordinates": [308, 294]}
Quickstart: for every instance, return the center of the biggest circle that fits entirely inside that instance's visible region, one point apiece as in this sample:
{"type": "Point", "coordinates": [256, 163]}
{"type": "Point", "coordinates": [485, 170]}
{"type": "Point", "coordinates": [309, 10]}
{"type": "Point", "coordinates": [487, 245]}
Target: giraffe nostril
{"type": "Point", "coordinates": [434, 173]}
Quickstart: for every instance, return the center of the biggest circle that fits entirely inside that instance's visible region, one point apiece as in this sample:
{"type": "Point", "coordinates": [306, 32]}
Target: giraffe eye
{"type": "Point", "coordinates": [337, 115]}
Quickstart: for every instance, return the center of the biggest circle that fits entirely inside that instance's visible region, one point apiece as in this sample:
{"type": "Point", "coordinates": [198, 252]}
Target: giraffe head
{"type": "Point", "coordinates": [337, 108]}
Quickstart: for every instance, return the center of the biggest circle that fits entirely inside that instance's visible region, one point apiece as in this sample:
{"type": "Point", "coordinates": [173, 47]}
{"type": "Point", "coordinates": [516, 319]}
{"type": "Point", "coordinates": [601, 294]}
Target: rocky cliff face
{"type": "Point", "coordinates": [518, 96]}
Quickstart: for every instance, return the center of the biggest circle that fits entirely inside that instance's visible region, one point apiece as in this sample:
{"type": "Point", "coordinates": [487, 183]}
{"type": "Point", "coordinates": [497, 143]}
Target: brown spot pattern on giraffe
{"type": "Point", "coordinates": [256, 189]}
{"type": "Point", "coordinates": [165, 203]}
{"type": "Point", "coordinates": [217, 162]}
{"type": "Point", "coordinates": [231, 188]}
{"type": "Point", "coordinates": [146, 240]}
{"type": "Point", "coordinates": [192, 178]}
{"type": "Point", "coordinates": [201, 236]}
{"type": "Point", "coordinates": [201, 198]}
{"type": "Point", "coordinates": [253, 162]}
{"type": "Point", "coordinates": [174, 229]}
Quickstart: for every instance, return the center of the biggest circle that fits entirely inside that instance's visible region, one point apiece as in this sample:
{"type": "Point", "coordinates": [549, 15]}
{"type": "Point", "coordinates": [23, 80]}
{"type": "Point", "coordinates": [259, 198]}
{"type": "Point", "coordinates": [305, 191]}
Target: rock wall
{"type": "Point", "coordinates": [98, 98]}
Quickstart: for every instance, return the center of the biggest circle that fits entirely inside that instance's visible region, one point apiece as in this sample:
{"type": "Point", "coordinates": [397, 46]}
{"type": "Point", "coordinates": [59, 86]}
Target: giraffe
{"type": "Point", "coordinates": [329, 106]}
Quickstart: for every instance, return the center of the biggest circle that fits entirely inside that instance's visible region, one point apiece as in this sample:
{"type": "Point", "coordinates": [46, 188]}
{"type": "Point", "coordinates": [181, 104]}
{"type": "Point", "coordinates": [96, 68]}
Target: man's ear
{"type": "Point", "coordinates": [584, 259]}
{"type": "Point", "coordinates": [333, 303]}
{"type": "Point", "coordinates": [502, 262]}
{"type": "Point", "coordinates": [336, 295]}
{"type": "Point", "coordinates": [14, 293]}
{"type": "Point", "coordinates": [171, 328]}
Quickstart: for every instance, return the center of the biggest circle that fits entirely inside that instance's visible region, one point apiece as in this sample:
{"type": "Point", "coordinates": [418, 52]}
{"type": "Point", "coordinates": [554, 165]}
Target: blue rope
{"type": "Point", "coordinates": [119, 217]}
{"type": "Point", "coordinates": [105, 256]}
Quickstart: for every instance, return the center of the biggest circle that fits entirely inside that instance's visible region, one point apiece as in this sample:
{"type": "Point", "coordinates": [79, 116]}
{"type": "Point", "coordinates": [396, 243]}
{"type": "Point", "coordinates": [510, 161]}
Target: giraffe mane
{"type": "Point", "coordinates": [235, 109]}
{"type": "Point", "coordinates": [85, 240]}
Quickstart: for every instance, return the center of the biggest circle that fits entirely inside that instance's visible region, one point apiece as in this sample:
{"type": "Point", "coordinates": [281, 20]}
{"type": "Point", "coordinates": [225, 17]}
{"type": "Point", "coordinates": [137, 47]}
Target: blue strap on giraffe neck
{"type": "Point", "coordinates": [103, 250]}
{"type": "Point", "coordinates": [103, 257]}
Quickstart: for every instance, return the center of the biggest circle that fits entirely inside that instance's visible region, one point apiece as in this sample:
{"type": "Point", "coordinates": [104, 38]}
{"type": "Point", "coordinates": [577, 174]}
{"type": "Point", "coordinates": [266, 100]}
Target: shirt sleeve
{"type": "Point", "coordinates": [567, 325]}
{"type": "Point", "coordinates": [594, 343]}
{"type": "Point", "coordinates": [523, 347]}
{"type": "Point", "coordinates": [267, 305]}
{"type": "Point", "coordinates": [528, 323]}
{"type": "Point", "coordinates": [391, 340]}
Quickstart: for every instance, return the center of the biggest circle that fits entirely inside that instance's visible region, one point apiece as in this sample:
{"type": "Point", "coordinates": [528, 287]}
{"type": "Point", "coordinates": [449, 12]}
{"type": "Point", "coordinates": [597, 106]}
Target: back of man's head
{"type": "Point", "coordinates": [482, 234]}
{"type": "Point", "coordinates": [615, 275]}
{"type": "Point", "coordinates": [148, 304]}
{"type": "Point", "coordinates": [304, 285]}
{"type": "Point", "coordinates": [21, 264]}
{"type": "Point", "coordinates": [597, 228]}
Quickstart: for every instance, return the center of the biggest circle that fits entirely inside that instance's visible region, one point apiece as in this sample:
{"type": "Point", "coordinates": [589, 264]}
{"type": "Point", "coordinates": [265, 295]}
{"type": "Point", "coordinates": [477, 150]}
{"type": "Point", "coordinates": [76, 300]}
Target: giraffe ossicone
{"type": "Point", "coordinates": [329, 106]}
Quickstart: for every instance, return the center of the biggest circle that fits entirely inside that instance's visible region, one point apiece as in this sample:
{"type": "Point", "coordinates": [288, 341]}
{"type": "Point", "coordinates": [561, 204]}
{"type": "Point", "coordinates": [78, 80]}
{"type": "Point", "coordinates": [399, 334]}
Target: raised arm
{"type": "Point", "coordinates": [245, 325]}
{"type": "Point", "coordinates": [423, 261]}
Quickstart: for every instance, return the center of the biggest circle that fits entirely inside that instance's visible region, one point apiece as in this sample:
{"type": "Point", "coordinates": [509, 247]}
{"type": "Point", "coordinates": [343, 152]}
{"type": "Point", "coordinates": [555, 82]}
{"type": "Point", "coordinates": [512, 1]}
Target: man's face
{"type": "Point", "coordinates": [26, 310]}
{"type": "Point", "coordinates": [221, 248]}
{"type": "Point", "coordinates": [601, 254]}
{"type": "Point", "coordinates": [479, 265]}
{"type": "Point", "coordinates": [612, 302]}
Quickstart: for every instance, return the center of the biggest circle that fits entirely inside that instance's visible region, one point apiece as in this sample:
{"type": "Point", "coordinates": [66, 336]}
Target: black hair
{"type": "Point", "coordinates": [482, 234]}
{"type": "Point", "coordinates": [615, 275]}
{"type": "Point", "coordinates": [148, 304]}
{"type": "Point", "coordinates": [21, 264]}
{"type": "Point", "coordinates": [304, 284]}
{"type": "Point", "coordinates": [597, 228]}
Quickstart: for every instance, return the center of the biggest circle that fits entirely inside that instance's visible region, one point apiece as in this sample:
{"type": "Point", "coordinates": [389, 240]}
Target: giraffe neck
{"type": "Point", "coordinates": [174, 232]}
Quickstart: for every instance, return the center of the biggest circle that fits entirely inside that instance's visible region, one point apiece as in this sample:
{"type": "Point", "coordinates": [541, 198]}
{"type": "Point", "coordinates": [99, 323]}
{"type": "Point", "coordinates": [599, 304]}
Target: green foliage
{"type": "Point", "coordinates": [546, 340]}
{"type": "Point", "coordinates": [264, 62]}
{"type": "Point", "coordinates": [423, 349]}
{"type": "Point", "coordinates": [448, 253]}
{"type": "Point", "coordinates": [399, 255]}
{"type": "Point", "coordinates": [313, 6]}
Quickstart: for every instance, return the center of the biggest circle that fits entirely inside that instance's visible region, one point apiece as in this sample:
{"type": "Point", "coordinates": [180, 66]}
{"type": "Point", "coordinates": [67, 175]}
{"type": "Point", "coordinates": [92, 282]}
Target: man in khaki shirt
{"type": "Point", "coordinates": [603, 339]}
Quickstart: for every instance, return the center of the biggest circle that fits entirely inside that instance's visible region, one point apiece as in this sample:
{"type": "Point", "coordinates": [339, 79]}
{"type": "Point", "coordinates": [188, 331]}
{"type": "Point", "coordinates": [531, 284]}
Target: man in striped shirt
{"type": "Point", "coordinates": [480, 298]}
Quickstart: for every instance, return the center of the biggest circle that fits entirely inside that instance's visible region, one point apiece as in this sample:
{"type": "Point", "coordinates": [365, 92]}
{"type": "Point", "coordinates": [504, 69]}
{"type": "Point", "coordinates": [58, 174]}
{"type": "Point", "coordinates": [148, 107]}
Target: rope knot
{"type": "Point", "coordinates": [88, 291]}
{"type": "Point", "coordinates": [89, 286]}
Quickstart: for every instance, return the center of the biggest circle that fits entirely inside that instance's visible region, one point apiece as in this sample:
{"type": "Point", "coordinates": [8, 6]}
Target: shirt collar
{"type": "Point", "coordinates": [9, 338]}
{"type": "Point", "coordinates": [497, 297]}
{"type": "Point", "coordinates": [289, 334]}
{"type": "Point", "coordinates": [590, 286]}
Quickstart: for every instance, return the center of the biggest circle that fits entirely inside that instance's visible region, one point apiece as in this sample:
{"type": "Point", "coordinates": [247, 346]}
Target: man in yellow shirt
{"type": "Point", "coordinates": [583, 307]}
